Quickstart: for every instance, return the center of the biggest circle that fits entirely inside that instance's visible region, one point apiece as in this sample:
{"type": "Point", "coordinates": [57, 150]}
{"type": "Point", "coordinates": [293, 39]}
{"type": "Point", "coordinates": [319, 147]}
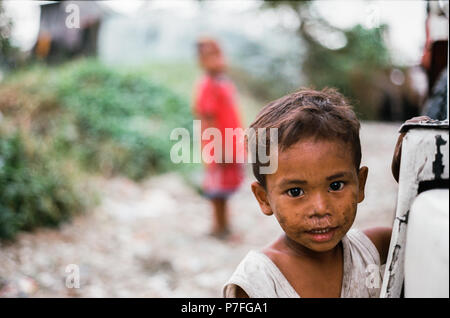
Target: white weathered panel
{"type": "Point", "coordinates": [427, 246]}
{"type": "Point", "coordinates": [422, 151]}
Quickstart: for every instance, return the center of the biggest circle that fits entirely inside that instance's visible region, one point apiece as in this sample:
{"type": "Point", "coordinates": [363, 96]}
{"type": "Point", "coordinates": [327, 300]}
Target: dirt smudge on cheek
{"type": "Point", "coordinates": [349, 213]}
{"type": "Point", "coordinates": [281, 220]}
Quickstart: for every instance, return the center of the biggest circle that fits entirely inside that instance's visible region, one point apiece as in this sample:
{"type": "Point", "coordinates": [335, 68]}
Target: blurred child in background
{"type": "Point", "coordinates": [216, 107]}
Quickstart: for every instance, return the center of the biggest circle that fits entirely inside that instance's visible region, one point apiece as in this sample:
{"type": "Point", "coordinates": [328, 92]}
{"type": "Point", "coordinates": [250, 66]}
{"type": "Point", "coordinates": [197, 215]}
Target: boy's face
{"type": "Point", "coordinates": [314, 193]}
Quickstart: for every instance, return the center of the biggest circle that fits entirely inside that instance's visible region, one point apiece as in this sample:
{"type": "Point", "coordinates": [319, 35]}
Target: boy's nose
{"type": "Point", "coordinates": [320, 206]}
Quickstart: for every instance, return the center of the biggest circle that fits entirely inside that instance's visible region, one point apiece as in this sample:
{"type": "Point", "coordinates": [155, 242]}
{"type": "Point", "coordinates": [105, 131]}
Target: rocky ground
{"type": "Point", "coordinates": [150, 239]}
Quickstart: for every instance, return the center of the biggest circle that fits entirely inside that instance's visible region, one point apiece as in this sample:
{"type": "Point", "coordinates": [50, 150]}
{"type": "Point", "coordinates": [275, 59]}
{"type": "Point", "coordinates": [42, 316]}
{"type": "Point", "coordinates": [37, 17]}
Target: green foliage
{"type": "Point", "coordinates": [354, 66]}
{"type": "Point", "coordinates": [60, 123]}
{"type": "Point", "coordinates": [112, 122]}
{"type": "Point", "coordinates": [8, 53]}
{"type": "Point", "coordinates": [121, 122]}
{"type": "Point", "coordinates": [355, 69]}
{"type": "Point", "coordinates": [34, 191]}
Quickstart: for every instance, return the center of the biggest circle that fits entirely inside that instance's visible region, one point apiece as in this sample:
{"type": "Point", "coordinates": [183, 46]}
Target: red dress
{"type": "Point", "coordinates": [215, 100]}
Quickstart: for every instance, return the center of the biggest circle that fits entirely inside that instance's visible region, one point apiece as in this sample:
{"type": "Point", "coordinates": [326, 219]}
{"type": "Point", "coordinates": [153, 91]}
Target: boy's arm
{"type": "Point", "coordinates": [381, 238]}
{"type": "Point", "coordinates": [395, 165]}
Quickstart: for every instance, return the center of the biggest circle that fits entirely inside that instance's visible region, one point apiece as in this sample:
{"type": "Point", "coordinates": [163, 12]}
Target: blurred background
{"type": "Point", "coordinates": [87, 106]}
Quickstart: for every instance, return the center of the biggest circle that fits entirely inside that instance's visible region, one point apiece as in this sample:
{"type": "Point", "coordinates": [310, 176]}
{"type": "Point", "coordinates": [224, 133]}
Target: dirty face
{"type": "Point", "coordinates": [314, 193]}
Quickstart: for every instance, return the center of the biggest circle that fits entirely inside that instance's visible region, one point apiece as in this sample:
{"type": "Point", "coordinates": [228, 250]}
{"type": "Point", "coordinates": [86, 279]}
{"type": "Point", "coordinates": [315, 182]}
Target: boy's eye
{"type": "Point", "coordinates": [295, 192]}
{"type": "Point", "coordinates": [336, 186]}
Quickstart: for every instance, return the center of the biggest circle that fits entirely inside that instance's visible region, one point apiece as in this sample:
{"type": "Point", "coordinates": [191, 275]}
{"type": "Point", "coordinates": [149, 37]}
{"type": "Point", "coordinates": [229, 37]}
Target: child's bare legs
{"type": "Point", "coordinates": [220, 221]}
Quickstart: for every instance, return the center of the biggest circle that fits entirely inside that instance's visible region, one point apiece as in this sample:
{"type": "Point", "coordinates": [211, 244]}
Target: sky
{"type": "Point", "coordinates": [406, 19]}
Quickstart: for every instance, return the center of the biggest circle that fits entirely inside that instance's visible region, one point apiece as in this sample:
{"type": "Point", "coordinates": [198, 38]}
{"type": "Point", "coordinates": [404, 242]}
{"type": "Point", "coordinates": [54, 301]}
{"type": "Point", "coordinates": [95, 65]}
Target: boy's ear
{"type": "Point", "coordinates": [362, 178]}
{"type": "Point", "coordinates": [261, 196]}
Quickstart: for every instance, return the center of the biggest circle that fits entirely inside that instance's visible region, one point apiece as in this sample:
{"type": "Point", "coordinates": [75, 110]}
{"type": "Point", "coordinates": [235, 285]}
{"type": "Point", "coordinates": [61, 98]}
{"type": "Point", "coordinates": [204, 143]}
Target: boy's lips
{"type": "Point", "coordinates": [320, 235]}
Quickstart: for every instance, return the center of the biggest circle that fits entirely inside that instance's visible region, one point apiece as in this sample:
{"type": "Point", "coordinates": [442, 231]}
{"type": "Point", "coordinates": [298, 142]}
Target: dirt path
{"type": "Point", "coordinates": [149, 239]}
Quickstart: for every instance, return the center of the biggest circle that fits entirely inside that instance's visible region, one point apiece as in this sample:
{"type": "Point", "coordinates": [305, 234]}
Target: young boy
{"type": "Point", "coordinates": [314, 195]}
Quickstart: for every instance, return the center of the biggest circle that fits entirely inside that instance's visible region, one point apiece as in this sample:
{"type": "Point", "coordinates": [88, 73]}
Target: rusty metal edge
{"type": "Point", "coordinates": [430, 124]}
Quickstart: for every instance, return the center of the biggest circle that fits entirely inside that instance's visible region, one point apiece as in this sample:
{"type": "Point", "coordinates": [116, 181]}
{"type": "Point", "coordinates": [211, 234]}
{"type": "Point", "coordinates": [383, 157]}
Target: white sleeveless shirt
{"type": "Point", "coordinates": [259, 277]}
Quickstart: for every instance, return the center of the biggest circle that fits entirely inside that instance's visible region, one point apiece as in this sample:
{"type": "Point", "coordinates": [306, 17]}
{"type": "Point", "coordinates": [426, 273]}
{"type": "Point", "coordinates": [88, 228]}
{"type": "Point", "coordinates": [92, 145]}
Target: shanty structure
{"type": "Point", "coordinates": [59, 38]}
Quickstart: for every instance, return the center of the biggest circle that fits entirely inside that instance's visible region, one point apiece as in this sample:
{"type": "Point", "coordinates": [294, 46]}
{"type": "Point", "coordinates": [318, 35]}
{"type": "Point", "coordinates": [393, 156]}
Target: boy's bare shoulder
{"type": "Point", "coordinates": [381, 238]}
{"type": "Point", "coordinates": [275, 251]}
{"type": "Point", "coordinates": [281, 257]}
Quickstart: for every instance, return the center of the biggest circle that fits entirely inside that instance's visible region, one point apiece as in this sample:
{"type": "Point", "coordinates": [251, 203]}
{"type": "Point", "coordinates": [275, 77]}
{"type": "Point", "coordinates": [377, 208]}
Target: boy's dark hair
{"type": "Point", "coordinates": [309, 113]}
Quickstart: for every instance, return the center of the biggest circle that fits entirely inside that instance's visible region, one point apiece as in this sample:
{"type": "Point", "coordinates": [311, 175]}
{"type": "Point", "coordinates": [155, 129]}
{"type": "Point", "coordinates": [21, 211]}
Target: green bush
{"type": "Point", "coordinates": [84, 115]}
{"type": "Point", "coordinates": [33, 189]}
{"type": "Point", "coordinates": [121, 122]}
